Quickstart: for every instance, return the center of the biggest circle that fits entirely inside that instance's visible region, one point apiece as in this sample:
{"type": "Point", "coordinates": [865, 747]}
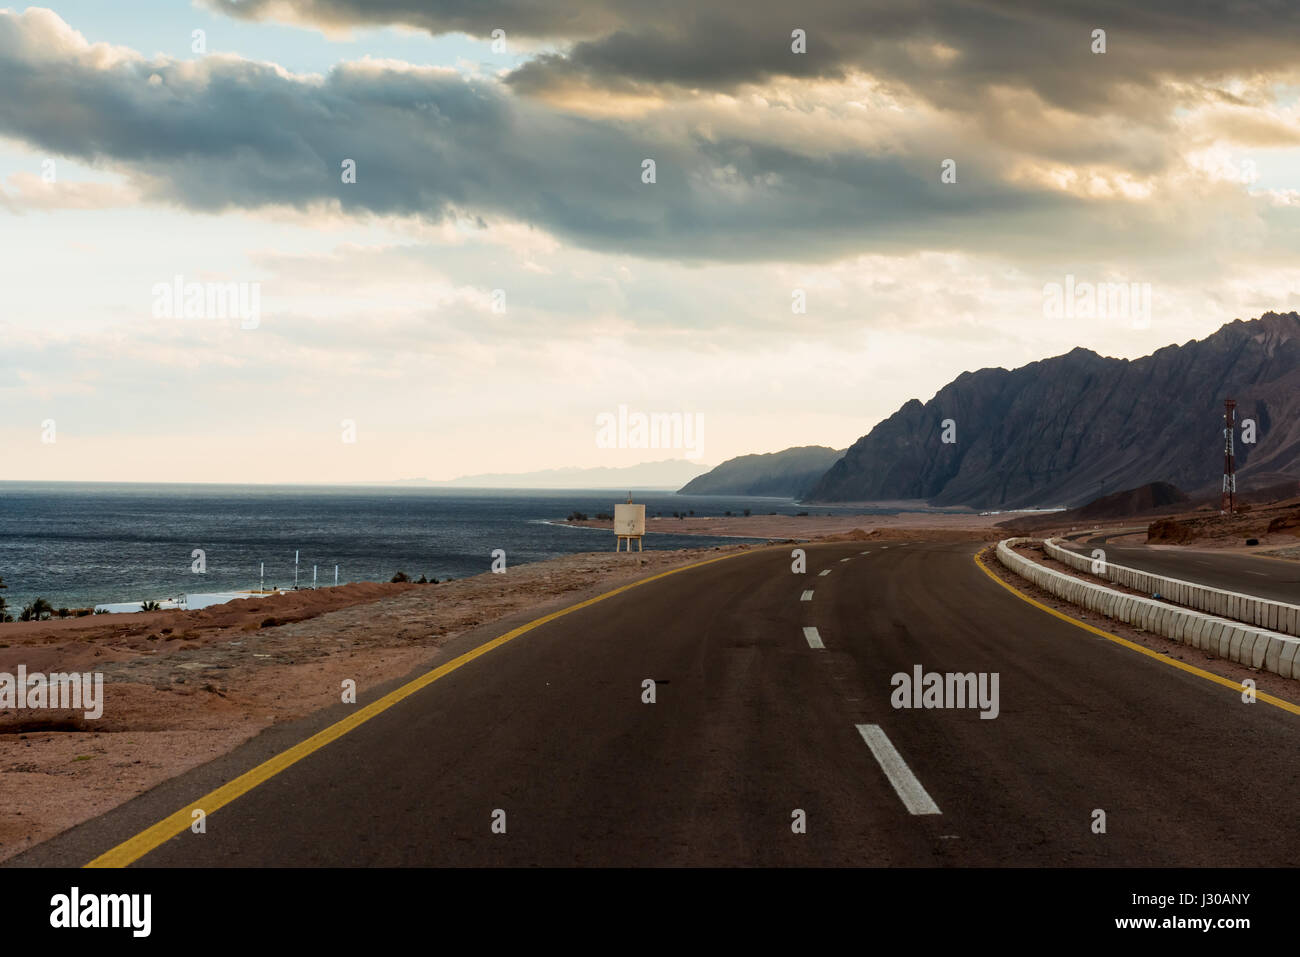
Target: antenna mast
{"type": "Point", "coordinates": [1229, 499]}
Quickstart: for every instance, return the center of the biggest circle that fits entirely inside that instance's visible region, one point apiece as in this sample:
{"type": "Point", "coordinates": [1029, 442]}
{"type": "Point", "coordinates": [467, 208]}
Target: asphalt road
{"type": "Point", "coordinates": [1263, 577]}
{"type": "Point", "coordinates": [753, 721]}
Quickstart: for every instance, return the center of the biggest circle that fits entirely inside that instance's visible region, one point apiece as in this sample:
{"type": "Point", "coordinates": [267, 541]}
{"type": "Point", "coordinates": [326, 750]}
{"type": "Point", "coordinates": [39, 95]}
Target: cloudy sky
{"type": "Point", "coordinates": [500, 273]}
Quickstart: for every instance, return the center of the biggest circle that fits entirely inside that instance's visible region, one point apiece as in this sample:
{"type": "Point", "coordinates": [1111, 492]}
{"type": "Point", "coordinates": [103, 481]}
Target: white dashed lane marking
{"type": "Point", "coordinates": [914, 797]}
{"type": "Point", "coordinates": [814, 639]}
{"type": "Point", "coordinates": [826, 571]}
{"type": "Point", "coordinates": [806, 596]}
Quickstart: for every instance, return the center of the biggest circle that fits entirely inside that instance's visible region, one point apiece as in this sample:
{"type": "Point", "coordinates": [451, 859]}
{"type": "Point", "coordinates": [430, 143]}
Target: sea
{"type": "Point", "coordinates": [77, 545]}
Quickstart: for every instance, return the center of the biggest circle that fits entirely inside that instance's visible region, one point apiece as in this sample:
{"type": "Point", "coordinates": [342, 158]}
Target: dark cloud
{"type": "Point", "coordinates": [223, 132]}
{"type": "Point", "coordinates": [1029, 44]}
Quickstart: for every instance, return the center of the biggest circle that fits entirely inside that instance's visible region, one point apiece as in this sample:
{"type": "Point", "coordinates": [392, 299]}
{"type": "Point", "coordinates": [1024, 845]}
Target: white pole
{"type": "Point", "coordinates": [295, 570]}
{"type": "Point", "coordinates": [313, 577]}
{"type": "Point", "coordinates": [262, 585]}
{"type": "Point", "coordinates": [336, 576]}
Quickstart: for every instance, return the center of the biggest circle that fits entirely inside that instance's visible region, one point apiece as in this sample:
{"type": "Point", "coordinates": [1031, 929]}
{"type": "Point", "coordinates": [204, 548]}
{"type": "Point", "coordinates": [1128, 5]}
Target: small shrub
{"type": "Point", "coordinates": [400, 577]}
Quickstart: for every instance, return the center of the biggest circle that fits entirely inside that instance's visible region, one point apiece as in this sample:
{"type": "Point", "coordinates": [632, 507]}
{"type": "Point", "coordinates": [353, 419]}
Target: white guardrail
{"type": "Point", "coordinates": [1273, 615]}
{"type": "Point", "coordinates": [1235, 640]}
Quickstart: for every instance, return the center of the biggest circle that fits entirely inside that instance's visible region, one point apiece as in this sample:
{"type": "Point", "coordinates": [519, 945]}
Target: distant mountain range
{"type": "Point", "coordinates": [788, 474]}
{"type": "Point", "coordinates": [670, 473]}
{"type": "Point", "coordinates": [1067, 430]}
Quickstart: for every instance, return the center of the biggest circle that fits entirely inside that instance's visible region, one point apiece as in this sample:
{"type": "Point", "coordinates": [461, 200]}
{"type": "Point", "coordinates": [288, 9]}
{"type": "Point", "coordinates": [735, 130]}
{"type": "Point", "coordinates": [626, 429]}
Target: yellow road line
{"type": "Point", "coordinates": [1134, 646]}
{"type": "Point", "coordinates": [134, 848]}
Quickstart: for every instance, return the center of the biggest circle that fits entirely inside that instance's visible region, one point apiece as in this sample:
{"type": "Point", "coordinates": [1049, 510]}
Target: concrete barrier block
{"type": "Point", "coordinates": [1273, 653]}
{"type": "Point", "coordinates": [1258, 650]}
{"type": "Point", "coordinates": [1224, 641]}
{"type": "Point", "coordinates": [1235, 636]}
{"type": "Point", "coordinates": [1245, 646]}
{"type": "Point", "coordinates": [1287, 659]}
{"type": "Point", "coordinates": [1207, 635]}
{"type": "Point", "coordinates": [1202, 632]}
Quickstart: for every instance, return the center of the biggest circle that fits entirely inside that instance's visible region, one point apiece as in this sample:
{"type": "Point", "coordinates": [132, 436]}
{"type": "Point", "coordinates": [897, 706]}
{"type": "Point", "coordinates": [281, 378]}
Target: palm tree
{"type": "Point", "coordinates": [149, 606]}
{"type": "Point", "coordinates": [38, 610]}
